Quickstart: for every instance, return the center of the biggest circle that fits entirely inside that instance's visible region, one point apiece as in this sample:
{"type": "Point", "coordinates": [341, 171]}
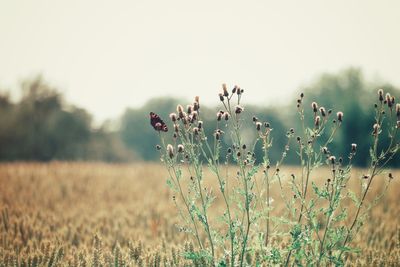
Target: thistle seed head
{"type": "Point", "coordinates": [375, 129]}
{"type": "Point", "coordinates": [314, 106]}
{"type": "Point", "coordinates": [189, 109]}
{"type": "Point", "coordinates": [181, 148]}
{"type": "Point", "coordinates": [258, 126]}
{"type": "Point", "coordinates": [353, 148]}
{"type": "Point", "coordinates": [196, 130]}
{"type": "Point", "coordinates": [322, 111]}
{"type": "Point", "coordinates": [173, 117]}
{"type": "Point", "coordinates": [380, 94]}
{"type": "Point", "coordinates": [389, 100]}
{"type": "Point", "coordinates": [219, 116]}
{"type": "Point", "coordinates": [170, 151]}
{"type": "Point", "coordinates": [226, 116]}
{"type": "Point", "coordinates": [238, 109]}
{"type": "Point", "coordinates": [398, 111]}
{"type": "Point", "coordinates": [317, 121]}
{"type": "Point", "coordinates": [339, 116]}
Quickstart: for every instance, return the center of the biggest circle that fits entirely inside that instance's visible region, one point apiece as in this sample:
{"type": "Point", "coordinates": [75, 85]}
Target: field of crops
{"type": "Point", "coordinates": [93, 214]}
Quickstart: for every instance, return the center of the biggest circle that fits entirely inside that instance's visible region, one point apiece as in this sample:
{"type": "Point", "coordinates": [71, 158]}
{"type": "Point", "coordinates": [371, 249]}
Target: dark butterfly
{"type": "Point", "coordinates": [157, 123]}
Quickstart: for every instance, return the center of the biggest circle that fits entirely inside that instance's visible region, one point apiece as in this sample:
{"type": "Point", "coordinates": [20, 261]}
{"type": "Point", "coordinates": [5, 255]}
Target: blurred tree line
{"type": "Point", "coordinates": [41, 126]}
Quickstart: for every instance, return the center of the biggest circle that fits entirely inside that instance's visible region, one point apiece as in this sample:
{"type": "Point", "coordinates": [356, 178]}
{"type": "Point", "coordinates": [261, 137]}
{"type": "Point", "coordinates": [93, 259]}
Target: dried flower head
{"type": "Point", "coordinates": [332, 159]}
{"type": "Point", "coordinates": [258, 126]}
{"type": "Point", "coordinates": [317, 121]}
{"type": "Point", "coordinates": [173, 117]}
{"type": "Point", "coordinates": [176, 128]}
{"type": "Point", "coordinates": [238, 109]}
{"type": "Point", "coordinates": [189, 109]}
{"type": "Point", "coordinates": [226, 116]}
{"type": "Point", "coordinates": [219, 116]}
{"type": "Point", "coordinates": [325, 150]}
{"type": "Point", "coordinates": [314, 106]}
{"type": "Point", "coordinates": [380, 94]}
{"type": "Point", "coordinates": [170, 151]}
{"type": "Point", "coordinates": [339, 116]}
{"type": "Point", "coordinates": [375, 128]}
{"type": "Point", "coordinates": [181, 148]}
{"type": "Point", "coordinates": [322, 111]}
{"type": "Point", "coordinates": [195, 130]}
{"type": "Point", "coordinates": [353, 148]}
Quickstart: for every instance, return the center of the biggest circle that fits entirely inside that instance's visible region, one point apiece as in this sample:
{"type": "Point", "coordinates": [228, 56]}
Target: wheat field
{"type": "Point", "coordinates": [98, 214]}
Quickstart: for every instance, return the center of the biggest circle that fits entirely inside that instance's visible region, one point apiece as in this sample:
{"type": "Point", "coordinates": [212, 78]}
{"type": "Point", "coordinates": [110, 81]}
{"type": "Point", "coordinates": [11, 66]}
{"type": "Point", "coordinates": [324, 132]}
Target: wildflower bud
{"type": "Point", "coordinates": [241, 91]}
{"type": "Point", "coordinates": [258, 126]}
{"type": "Point", "coordinates": [158, 147]}
{"type": "Point", "coordinates": [172, 116]}
{"type": "Point", "coordinates": [194, 116]}
{"type": "Point", "coordinates": [221, 97]}
{"type": "Point", "coordinates": [200, 124]}
{"type": "Point", "coordinates": [189, 109]}
{"type": "Point", "coordinates": [229, 150]}
{"type": "Point", "coordinates": [365, 176]}
{"type": "Point", "coordinates": [255, 119]}
{"type": "Point", "coordinates": [226, 116]}
{"type": "Point", "coordinates": [195, 130]}
{"type": "Point", "coordinates": [170, 151]}
{"type": "Point", "coordinates": [329, 111]}
{"type": "Point", "coordinates": [181, 148]}
{"type": "Point", "coordinates": [329, 180]}
{"type": "Point", "coordinates": [176, 128]}
{"type": "Point", "coordinates": [388, 100]}
{"type": "Point", "coordinates": [244, 146]}
{"type": "Point", "coordinates": [380, 93]}
{"type": "Point", "coordinates": [325, 150]}
{"type": "Point", "coordinates": [339, 116]}
{"type": "Point", "coordinates": [393, 100]}
{"type": "Point", "coordinates": [158, 126]}
{"type": "Point", "coordinates": [323, 112]}
{"type": "Point", "coordinates": [398, 111]}
{"type": "Point", "coordinates": [238, 91]}
{"type": "Point", "coordinates": [226, 94]}
{"type": "Point", "coordinates": [175, 136]}
{"type": "Point", "coordinates": [238, 109]}
{"type": "Point", "coordinates": [219, 116]}
{"type": "Point", "coordinates": [224, 88]}
{"type": "Point", "coordinates": [340, 160]}
{"type": "Point", "coordinates": [179, 109]}
{"type": "Point", "coordinates": [332, 159]}
{"type": "Point", "coordinates": [298, 138]}
{"type": "Point", "coordinates": [234, 90]}
{"type": "Point", "coordinates": [390, 175]}
{"type": "Point", "coordinates": [317, 121]}
{"type": "Point", "coordinates": [291, 130]}
{"type": "Point", "coordinates": [266, 124]}
{"type": "Point", "coordinates": [196, 106]}
{"type": "Point", "coordinates": [314, 106]}
{"type": "Point", "coordinates": [302, 95]}
{"type": "Point", "coordinates": [217, 135]}
{"type": "Point", "coordinates": [298, 101]}
{"type": "Point", "coordinates": [353, 148]}
{"type": "Point", "coordinates": [375, 129]}
{"type": "Point", "coordinates": [238, 154]}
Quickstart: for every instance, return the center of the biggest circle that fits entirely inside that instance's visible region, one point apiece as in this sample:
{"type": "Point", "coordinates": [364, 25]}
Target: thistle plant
{"type": "Point", "coordinates": [322, 216]}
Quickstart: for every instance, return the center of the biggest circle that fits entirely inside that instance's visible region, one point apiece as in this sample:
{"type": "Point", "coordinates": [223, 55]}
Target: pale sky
{"type": "Point", "coordinates": [108, 55]}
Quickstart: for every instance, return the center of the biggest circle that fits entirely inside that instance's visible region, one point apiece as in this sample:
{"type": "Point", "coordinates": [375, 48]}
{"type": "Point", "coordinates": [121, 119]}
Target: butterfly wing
{"type": "Point", "coordinates": [157, 122]}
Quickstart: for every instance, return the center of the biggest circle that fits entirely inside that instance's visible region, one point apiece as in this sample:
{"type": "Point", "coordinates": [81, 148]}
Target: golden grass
{"type": "Point", "coordinates": [78, 214]}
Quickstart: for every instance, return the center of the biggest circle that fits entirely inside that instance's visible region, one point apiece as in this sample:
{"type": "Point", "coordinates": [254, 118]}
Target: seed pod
{"type": "Point", "coordinates": [353, 148]}
{"type": "Point", "coordinates": [375, 129]}
{"type": "Point", "coordinates": [332, 159]}
{"type": "Point", "coordinates": [323, 112]}
{"type": "Point", "coordinates": [317, 121]}
{"type": "Point", "coordinates": [226, 116]}
{"type": "Point", "coordinates": [172, 116]}
{"type": "Point", "coordinates": [314, 106]}
{"type": "Point", "coordinates": [238, 109]}
{"type": "Point", "coordinates": [258, 126]}
{"type": "Point", "coordinates": [219, 116]}
{"type": "Point", "coordinates": [170, 151]}
{"type": "Point", "coordinates": [221, 97]}
{"type": "Point", "coordinates": [339, 116]}
{"type": "Point", "coordinates": [244, 146]}
{"type": "Point", "coordinates": [181, 148]}
{"type": "Point", "coordinates": [380, 94]}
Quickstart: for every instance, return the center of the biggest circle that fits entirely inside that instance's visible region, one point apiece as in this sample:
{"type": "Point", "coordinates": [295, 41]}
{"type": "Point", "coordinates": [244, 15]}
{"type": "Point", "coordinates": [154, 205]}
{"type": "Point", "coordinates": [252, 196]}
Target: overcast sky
{"type": "Point", "coordinates": [107, 55]}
